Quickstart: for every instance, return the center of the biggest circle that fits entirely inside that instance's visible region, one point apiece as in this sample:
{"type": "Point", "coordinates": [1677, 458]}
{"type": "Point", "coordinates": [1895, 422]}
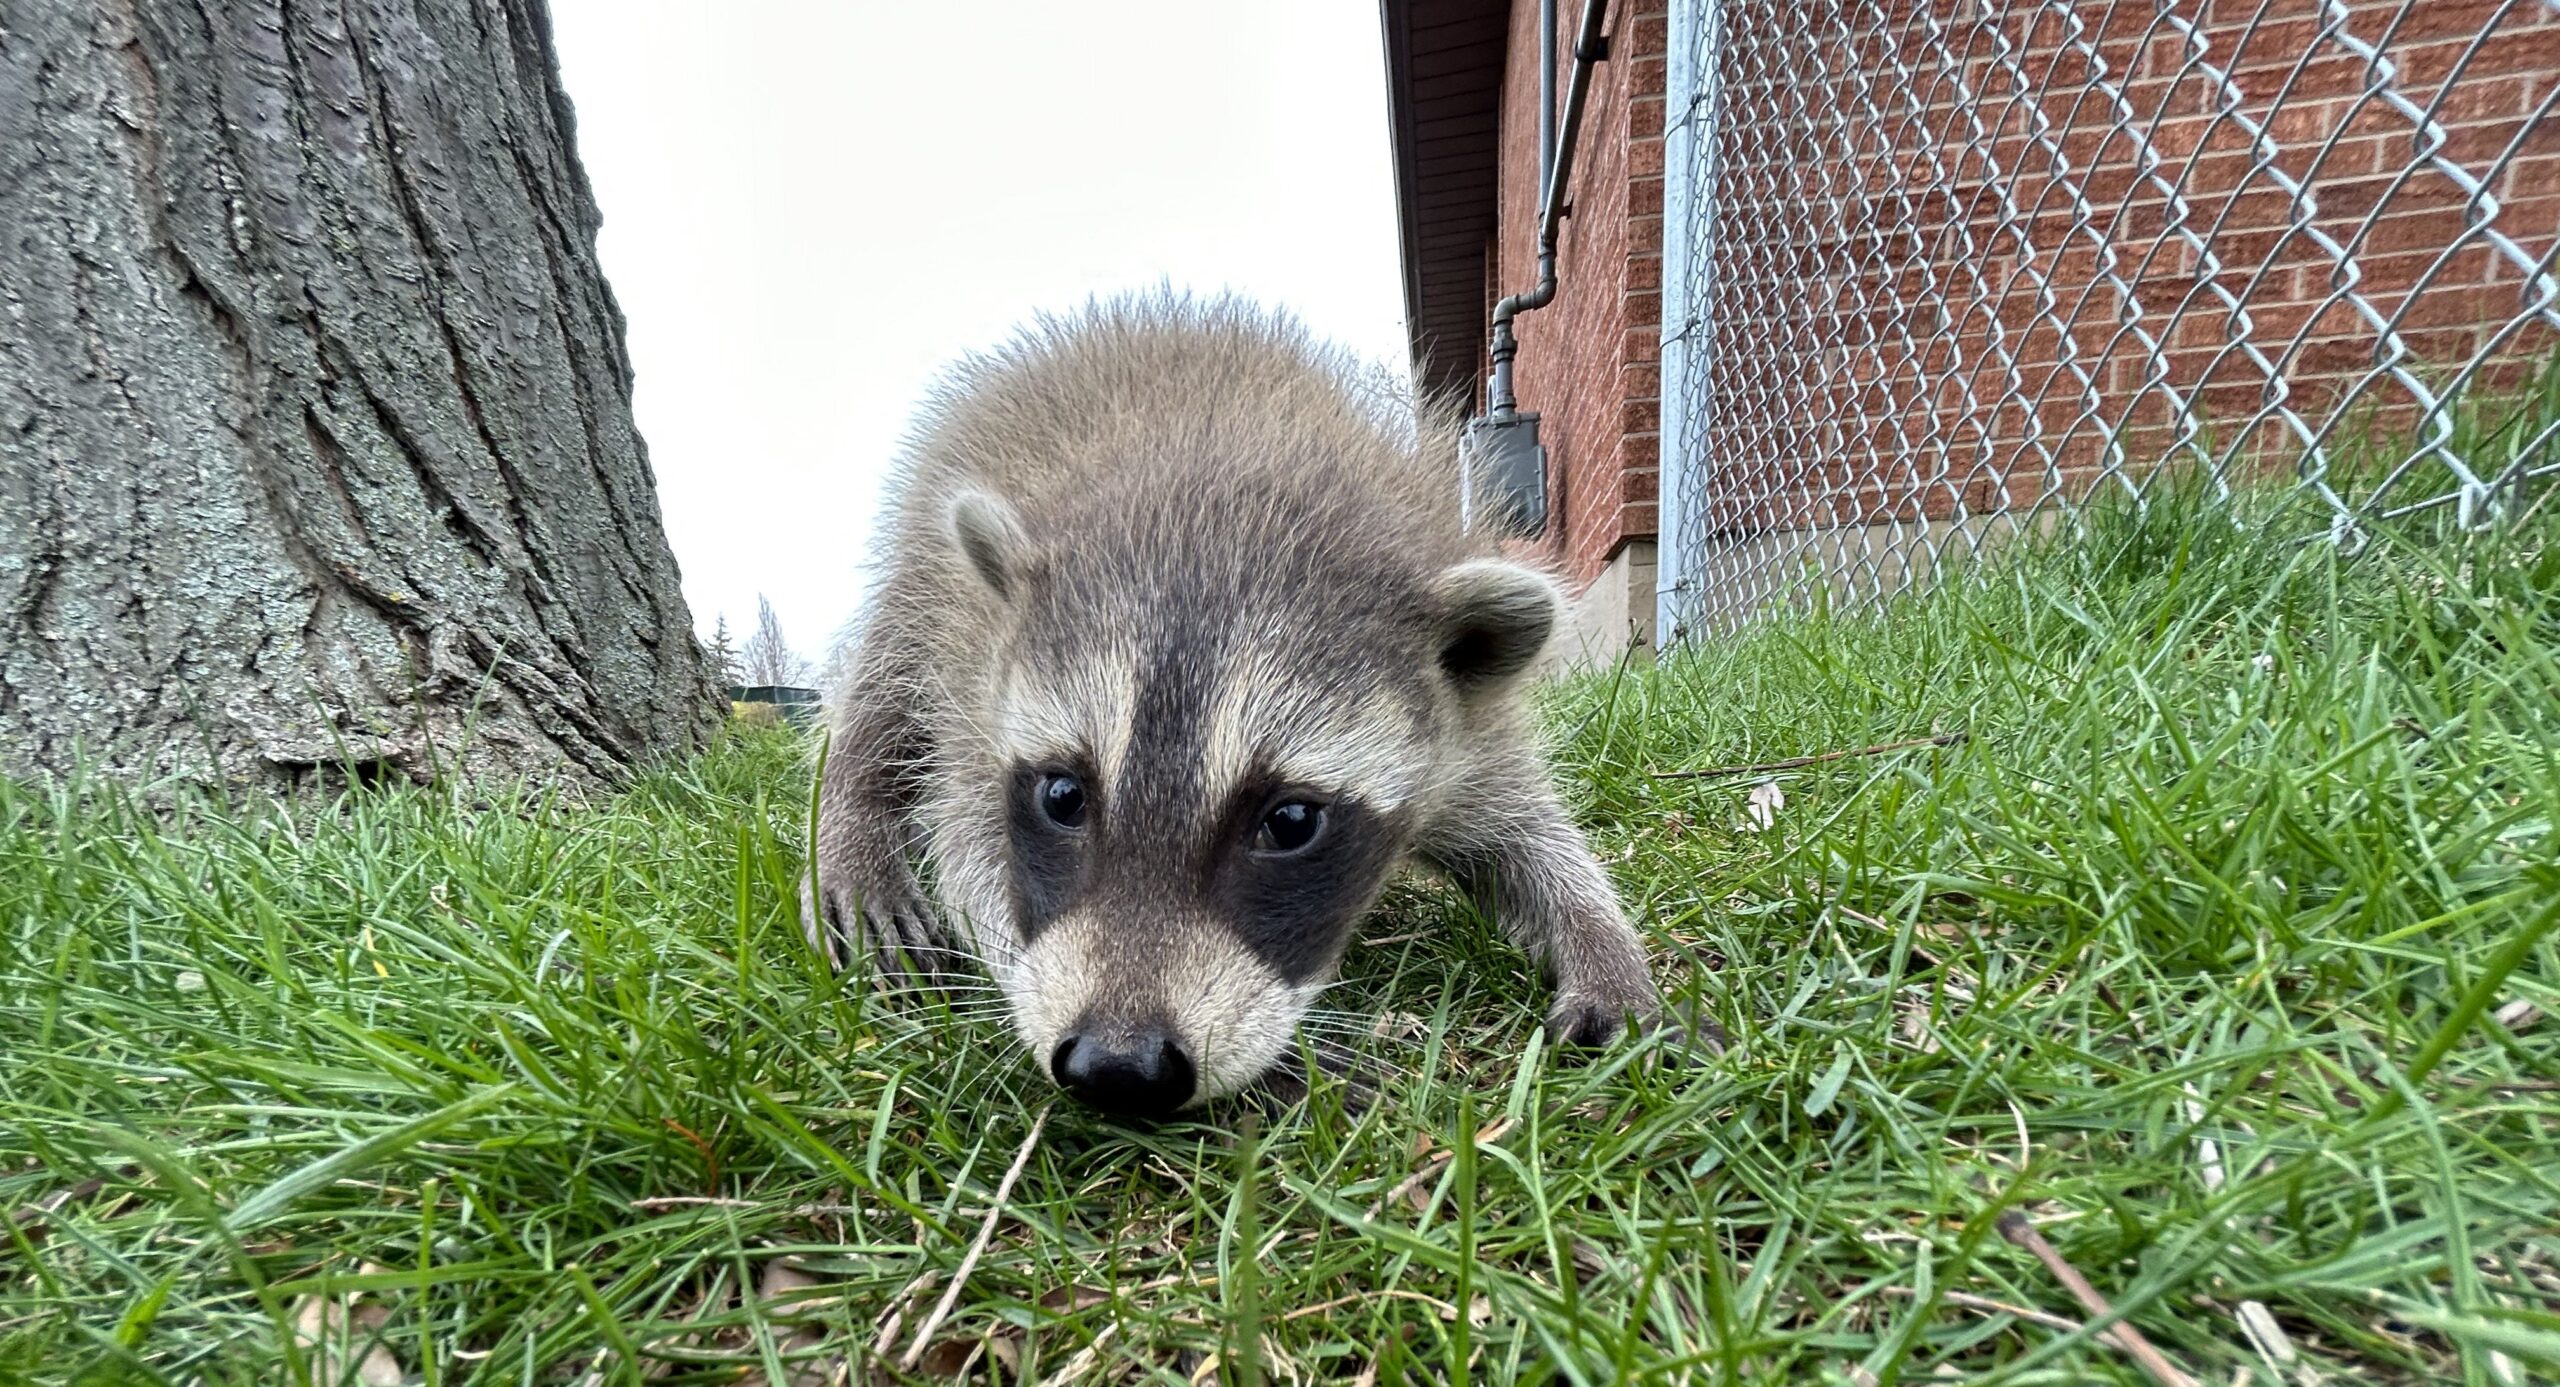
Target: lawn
{"type": "Point", "coordinates": [2209, 945]}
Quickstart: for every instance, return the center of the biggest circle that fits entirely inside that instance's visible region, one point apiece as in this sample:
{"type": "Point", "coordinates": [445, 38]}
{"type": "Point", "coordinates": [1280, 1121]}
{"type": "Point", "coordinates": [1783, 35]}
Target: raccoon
{"type": "Point", "coordinates": [1180, 648]}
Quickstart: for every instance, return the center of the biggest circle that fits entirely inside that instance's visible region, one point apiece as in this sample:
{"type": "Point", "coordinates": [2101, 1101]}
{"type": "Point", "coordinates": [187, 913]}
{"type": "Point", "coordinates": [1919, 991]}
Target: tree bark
{"type": "Point", "coordinates": [316, 446]}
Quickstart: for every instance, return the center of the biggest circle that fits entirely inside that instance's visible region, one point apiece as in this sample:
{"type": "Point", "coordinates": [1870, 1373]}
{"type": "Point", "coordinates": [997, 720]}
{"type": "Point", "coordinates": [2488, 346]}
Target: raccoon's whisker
{"type": "Point", "coordinates": [1361, 1041]}
{"type": "Point", "coordinates": [944, 949]}
{"type": "Point", "coordinates": [953, 982]}
{"type": "Point", "coordinates": [1360, 1030]}
{"type": "Point", "coordinates": [976, 1013]}
{"type": "Point", "coordinates": [1362, 1037]}
{"type": "Point", "coordinates": [938, 951]}
{"type": "Point", "coordinates": [990, 945]}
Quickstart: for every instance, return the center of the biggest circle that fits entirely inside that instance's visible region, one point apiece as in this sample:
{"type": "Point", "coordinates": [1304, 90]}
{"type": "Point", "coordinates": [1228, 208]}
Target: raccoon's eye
{"type": "Point", "coordinates": [1062, 799]}
{"type": "Point", "coordinates": [1289, 827]}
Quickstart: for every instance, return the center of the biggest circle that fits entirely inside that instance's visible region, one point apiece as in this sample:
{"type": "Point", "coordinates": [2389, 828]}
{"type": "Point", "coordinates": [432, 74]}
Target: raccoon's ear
{"type": "Point", "coordinates": [990, 538]}
{"type": "Point", "coordinates": [1495, 617]}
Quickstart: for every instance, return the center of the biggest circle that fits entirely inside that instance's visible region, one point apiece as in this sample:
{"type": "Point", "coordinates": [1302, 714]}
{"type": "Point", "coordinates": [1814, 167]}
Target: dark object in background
{"type": "Point", "coordinates": [798, 706]}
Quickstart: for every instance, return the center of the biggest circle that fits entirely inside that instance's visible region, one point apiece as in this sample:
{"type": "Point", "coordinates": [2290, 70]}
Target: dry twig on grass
{"type": "Point", "coordinates": [2016, 1228]}
{"type": "Point", "coordinates": [1084, 1360]}
{"type": "Point", "coordinates": [1800, 762]}
{"type": "Point", "coordinates": [1968, 1301]}
{"type": "Point", "coordinates": [969, 1263]}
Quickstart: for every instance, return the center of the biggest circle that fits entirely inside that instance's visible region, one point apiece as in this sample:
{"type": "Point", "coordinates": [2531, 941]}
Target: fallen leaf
{"type": "Point", "coordinates": [950, 1358]}
{"type": "Point", "coordinates": [784, 1287]}
{"type": "Point", "coordinates": [1589, 1262]}
{"type": "Point", "coordinates": [1398, 1025]}
{"type": "Point", "coordinates": [1005, 1348]}
{"type": "Point", "coordinates": [1067, 1300]}
{"type": "Point", "coordinates": [330, 1330]}
{"type": "Point", "coordinates": [1085, 1357]}
{"type": "Point", "coordinates": [785, 1291]}
{"type": "Point", "coordinates": [1763, 806]}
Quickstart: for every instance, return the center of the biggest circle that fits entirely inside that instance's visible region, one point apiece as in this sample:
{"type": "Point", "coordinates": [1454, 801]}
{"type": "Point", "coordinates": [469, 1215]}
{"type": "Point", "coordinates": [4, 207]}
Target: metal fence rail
{"type": "Point", "coordinates": [1938, 270]}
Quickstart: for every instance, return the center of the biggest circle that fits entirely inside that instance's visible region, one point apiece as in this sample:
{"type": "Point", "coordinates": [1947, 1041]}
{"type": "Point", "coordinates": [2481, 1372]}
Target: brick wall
{"type": "Point", "coordinates": [1587, 360]}
{"type": "Point", "coordinates": [1929, 209]}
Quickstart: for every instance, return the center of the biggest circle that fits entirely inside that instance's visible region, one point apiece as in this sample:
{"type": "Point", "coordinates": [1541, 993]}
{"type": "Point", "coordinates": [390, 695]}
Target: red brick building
{"type": "Point", "coordinates": [1967, 259]}
{"type": "Point", "coordinates": [1464, 87]}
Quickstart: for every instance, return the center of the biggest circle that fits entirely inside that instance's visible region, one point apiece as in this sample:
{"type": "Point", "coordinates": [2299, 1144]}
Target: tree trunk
{"type": "Point", "coordinates": [316, 447]}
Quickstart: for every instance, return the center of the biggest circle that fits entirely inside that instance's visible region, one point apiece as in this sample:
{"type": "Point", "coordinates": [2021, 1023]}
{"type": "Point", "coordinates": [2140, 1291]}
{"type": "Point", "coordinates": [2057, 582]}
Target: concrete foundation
{"type": "Point", "coordinates": [1608, 618]}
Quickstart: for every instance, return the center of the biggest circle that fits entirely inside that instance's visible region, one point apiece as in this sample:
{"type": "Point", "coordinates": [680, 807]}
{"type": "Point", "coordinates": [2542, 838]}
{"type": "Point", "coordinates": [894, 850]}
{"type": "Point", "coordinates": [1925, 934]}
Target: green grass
{"type": "Point", "coordinates": [2245, 845]}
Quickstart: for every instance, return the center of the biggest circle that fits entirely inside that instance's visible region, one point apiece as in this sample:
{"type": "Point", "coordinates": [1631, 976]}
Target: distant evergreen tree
{"type": "Point", "coordinates": [724, 654]}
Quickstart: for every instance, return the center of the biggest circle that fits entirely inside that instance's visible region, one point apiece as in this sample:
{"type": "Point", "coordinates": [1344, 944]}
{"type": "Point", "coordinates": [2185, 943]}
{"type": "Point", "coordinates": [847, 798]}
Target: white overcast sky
{"type": "Point", "coordinates": [810, 205]}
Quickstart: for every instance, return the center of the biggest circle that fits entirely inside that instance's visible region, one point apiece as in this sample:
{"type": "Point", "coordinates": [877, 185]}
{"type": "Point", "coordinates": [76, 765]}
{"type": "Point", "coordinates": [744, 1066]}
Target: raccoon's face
{"type": "Point", "coordinates": [1201, 799]}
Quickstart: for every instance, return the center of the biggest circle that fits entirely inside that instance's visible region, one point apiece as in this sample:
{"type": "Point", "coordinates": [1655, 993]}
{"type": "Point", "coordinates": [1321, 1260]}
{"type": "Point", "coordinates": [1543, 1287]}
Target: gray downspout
{"type": "Point", "coordinates": [1557, 172]}
{"type": "Point", "coordinates": [1502, 444]}
{"type": "Point", "coordinates": [1546, 91]}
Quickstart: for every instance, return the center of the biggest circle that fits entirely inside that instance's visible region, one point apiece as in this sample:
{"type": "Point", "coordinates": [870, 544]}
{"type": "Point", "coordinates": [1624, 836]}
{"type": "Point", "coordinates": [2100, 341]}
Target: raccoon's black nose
{"type": "Point", "coordinates": [1145, 1074]}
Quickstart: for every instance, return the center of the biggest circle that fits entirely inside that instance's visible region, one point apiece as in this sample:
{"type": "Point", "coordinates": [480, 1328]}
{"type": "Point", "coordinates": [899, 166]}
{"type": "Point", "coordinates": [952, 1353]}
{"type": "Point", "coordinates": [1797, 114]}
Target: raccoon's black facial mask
{"type": "Point", "coordinates": [1048, 810]}
{"type": "Point", "coordinates": [1296, 870]}
{"type": "Point", "coordinates": [1284, 870]}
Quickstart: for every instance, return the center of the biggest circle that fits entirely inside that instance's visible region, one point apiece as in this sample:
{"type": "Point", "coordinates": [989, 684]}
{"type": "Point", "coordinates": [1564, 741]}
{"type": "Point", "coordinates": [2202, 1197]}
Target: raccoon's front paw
{"type": "Point", "coordinates": [1584, 1019]}
{"type": "Point", "coordinates": [891, 924]}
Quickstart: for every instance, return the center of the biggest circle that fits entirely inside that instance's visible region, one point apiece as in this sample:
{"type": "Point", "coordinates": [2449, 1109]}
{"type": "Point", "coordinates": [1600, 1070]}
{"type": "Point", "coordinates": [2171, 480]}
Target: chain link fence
{"type": "Point", "coordinates": [1938, 271]}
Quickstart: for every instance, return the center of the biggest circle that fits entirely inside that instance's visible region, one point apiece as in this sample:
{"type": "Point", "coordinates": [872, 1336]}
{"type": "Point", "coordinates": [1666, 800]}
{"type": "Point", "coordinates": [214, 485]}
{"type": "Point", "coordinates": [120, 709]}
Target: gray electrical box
{"type": "Point", "coordinates": [1508, 468]}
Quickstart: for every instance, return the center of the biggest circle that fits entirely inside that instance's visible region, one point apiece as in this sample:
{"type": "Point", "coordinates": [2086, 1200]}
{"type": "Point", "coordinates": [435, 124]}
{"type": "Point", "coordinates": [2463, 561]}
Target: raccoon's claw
{"type": "Point", "coordinates": [818, 924]}
{"type": "Point", "coordinates": [892, 926]}
{"type": "Point", "coordinates": [1584, 1021]}
{"type": "Point", "coordinates": [1585, 1025]}
{"type": "Point", "coordinates": [1688, 1039]}
{"type": "Point", "coordinates": [1578, 1022]}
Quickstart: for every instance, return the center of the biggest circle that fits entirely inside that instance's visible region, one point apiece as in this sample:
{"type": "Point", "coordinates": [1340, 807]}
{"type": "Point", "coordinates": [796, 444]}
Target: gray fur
{"type": "Point", "coordinates": [1179, 551]}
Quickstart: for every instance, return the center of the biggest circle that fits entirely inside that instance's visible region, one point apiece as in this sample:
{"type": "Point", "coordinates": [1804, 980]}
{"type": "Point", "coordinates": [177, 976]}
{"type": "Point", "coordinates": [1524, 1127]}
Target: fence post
{"type": "Point", "coordinates": [1675, 472]}
{"type": "Point", "coordinates": [1688, 215]}
{"type": "Point", "coordinates": [1672, 464]}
